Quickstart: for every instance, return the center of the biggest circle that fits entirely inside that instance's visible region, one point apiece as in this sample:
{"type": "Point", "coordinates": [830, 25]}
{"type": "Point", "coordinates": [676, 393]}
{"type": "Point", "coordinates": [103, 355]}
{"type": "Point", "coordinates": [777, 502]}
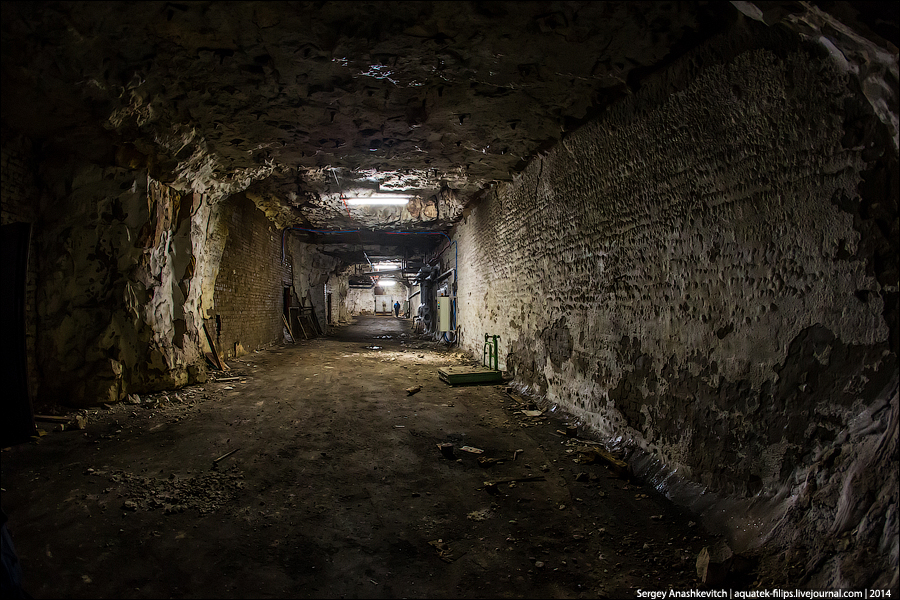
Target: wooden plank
{"type": "Point", "coordinates": [302, 328]}
{"type": "Point", "coordinates": [213, 351]}
{"type": "Point", "coordinates": [593, 454]}
{"type": "Point", "coordinates": [311, 324]}
{"type": "Point", "coordinates": [311, 315]}
{"type": "Point", "coordinates": [288, 325]}
{"type": "Point", "coordinates": [463, 375]}
{"type": "Point", "coordinates": [52, 418]}
{"type": "Point", "coordinates": [294, 318]}
{"type": "Point", "coordinates": [308, 327]}
{"type": "Point", "coordinates": [224, 456]}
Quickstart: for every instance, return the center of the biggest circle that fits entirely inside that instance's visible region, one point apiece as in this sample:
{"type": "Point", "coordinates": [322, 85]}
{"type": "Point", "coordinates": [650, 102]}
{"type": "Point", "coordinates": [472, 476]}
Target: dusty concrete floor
{"type": "Point", "coordinates": [337, 489]}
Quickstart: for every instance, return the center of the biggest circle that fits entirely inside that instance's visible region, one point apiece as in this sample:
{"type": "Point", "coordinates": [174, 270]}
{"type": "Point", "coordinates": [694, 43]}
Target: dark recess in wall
{"type": "Point", "coordinates": [18, 422]}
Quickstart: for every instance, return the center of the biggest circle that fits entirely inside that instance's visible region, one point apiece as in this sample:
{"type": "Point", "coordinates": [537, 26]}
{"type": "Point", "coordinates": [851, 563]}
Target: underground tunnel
{"type": "Point", "coordinates": [450, 299]}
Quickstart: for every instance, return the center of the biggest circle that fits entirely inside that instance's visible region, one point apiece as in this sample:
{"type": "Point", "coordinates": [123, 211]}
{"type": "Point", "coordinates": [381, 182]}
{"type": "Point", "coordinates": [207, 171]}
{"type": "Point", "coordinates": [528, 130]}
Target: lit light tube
{"type": "Point", "coordinates": [386, 282]}
{"type": "Point", "coordinates": [382, 199]}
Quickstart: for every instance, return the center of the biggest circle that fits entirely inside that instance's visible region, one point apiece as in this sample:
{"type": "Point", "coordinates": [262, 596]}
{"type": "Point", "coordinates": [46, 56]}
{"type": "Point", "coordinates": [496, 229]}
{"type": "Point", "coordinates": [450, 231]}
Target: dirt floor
{"type": "Point", "coordinates": [336, 488]}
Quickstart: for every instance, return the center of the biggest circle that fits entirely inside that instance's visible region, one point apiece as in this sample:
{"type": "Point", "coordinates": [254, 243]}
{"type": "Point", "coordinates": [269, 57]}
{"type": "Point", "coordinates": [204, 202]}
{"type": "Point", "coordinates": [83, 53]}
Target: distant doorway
{"type": "Point", "coordinates": [328, 309]}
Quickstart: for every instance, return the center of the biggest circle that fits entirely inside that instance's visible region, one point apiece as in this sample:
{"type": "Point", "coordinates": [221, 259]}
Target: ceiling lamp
{"type": "Point", "coordinates": [386, 266]}
{"type": "Point", "coordinates": [381, 199]}
{"type": "Point", "coordinates": [386, 282]}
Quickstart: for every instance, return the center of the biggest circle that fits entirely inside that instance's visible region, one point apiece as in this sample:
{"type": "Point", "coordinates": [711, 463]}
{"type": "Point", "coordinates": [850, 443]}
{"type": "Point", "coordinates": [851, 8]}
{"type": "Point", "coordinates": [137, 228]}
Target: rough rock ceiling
{"type": "Point", "coordinates": [297, 103]}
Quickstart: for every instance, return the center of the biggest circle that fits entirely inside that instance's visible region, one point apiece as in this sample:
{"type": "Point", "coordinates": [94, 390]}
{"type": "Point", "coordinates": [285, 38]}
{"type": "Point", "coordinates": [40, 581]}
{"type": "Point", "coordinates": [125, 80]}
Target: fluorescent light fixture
{"type": "Point", "coordinates": [386, 282]}
{"type": "Point", "coordinates": [387, 266]}
{"type": "Point", "coordinates": [381, 199]}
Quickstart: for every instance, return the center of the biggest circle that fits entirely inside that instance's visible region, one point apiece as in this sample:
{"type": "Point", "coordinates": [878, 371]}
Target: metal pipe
{"type": "Point", "coordinates": [395, 272]}
{"type": "Point", "coordinates": [414, 295]}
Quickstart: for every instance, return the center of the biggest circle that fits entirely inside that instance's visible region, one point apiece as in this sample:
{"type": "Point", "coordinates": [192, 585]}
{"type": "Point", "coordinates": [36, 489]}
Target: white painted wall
{"type": "Point", "coordinates": [365, 302]}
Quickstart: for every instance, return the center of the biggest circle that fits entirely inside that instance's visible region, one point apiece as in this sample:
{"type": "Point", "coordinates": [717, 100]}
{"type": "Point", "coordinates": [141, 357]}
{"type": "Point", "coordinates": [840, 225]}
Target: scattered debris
{"type": "Point", "coordinates": [582, 477]}
{"type": "Point", "coordinates": [204, 492]}
{"type": "Point", "coordinates": [472, 450]}
{"type": "Point", "coordinates": [514, 396]}
{"type": "Point", "coordinates": [444, 551]}
{"type": "Point", "coordinates": [487, 462]}
{"type": "Point", "coordinates": [480, 515]}
{"type": "Point", "coordinates": [572, 431]}
{"type": "Point", "coordinates": [52, 418]}
{"type": "Point", "coordinates": [714, 563]}
{"type": "Point", "coordinates": [532, 413]}
{"type": "Point", "coordinates": [414, 389]}
{"type": "Point", "coordinates": [446, 450]}
{"type": "Point", "coordinates": [515, 479]}
{"type": "Point", "coordinates": [593, 454]}
{"type": "Point", "coordinates": [223, 457]}
{"type": "Point", "coordinates": [586, 442]}
{"type": "Point", "coordinates": [517, 453]}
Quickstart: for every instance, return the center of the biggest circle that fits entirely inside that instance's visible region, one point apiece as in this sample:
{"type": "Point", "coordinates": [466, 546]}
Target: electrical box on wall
{"type": "Point", "coordinates": [443, 309]}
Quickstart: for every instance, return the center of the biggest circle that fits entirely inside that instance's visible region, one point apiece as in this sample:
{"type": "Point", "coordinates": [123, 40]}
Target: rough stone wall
{"type": "Point", "coordinates": [384, 303]}
{"type": "Point", "coordinates": [311, 270]}
{"type": "Point", "coordinates": [339, 287]}
{"type": "Point", "coordinates": [415, 302]}
{"type": "Point", "coordinates": [19, 186]}
{"type": "Point", "coordinates": [365, 302]}
{"type": "Point", "coordinates": [360, 301]}
{"type": "Point", "coordinates": [132, 269]}
{"type": "Point", "coordinates": [703, 275]}
{"type": "Point", "coordinates": [117, 257]}
{"type": "Point", "coordinates": [21, 196]}
{"type": "Point", "coordinates": [249, 289]}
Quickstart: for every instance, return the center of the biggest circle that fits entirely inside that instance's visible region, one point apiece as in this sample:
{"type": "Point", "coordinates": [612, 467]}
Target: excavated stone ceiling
{"type": "Point", "coordinates": [298, 103]}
